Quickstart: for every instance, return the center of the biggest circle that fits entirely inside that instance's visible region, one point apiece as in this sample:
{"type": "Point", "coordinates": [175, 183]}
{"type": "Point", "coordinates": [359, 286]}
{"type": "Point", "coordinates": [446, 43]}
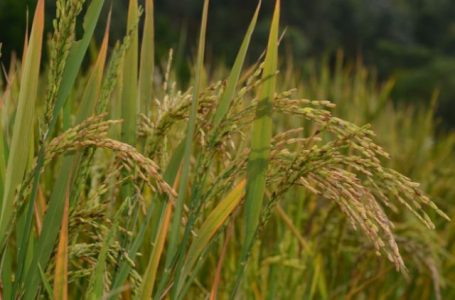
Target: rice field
{"type": "Point", "coordinates": [255, 181]}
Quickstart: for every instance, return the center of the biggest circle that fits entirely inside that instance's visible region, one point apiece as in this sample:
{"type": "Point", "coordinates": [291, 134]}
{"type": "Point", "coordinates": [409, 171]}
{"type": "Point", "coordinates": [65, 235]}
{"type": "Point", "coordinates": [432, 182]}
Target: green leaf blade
{"type": "Point", "coordinates": [188, 147]}
{"type": "Point", "coordinates": [22, 131]}
{"type": "Point", "coordinates": [234, 75]}
{"type": "Point", "coordinates": [260, 146]}
{"type": "Point", "coordinates": [147, 65]}
{"type": "Point", "coordinates": [129, 93]}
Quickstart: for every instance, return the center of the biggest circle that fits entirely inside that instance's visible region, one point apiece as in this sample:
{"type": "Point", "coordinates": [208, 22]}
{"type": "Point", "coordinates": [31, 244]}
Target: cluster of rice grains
{"type": "Point", "coordinates": [336, 160]}
{"type": "Point", "coordinates": [60, 44]}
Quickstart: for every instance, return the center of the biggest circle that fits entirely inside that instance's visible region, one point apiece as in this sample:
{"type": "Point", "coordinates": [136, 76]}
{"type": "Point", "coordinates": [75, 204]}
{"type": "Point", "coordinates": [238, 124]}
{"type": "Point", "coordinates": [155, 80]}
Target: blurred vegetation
{"type": "Point", "coordinates": [411, 40]}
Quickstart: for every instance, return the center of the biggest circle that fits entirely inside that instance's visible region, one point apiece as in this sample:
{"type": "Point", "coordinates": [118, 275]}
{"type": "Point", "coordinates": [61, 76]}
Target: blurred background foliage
{"type": "Point", "coordinates": [411, 41]}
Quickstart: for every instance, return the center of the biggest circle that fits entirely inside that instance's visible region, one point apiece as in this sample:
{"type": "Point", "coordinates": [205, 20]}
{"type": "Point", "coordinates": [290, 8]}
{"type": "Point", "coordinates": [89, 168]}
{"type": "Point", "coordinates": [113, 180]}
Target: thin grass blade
{"type": "Point", "coordinates": [129, 88]}
{"type": "Point", "coordinates": [46, 284]}
{"type": "Point", "coordinates": [61, 260]}
{"type": "Point", "coordinates": [152, 267]}
{"type": "Point", "coordinates": [211, 225]}
{"type": "Point", "coordinates": [217, 279]}
{"type": "Point", "coordinates": [260, 145]}
{"type": "Point", "coordinates": [176, 221]}
{"type": "Point", "coordinates": [147, 60]}
{"type": "Point", "coordinates": [22, 130]}
{"type": "Point", "coordinates": [92, 90]}
{"type": "Point", "coordinates": [234, 75]}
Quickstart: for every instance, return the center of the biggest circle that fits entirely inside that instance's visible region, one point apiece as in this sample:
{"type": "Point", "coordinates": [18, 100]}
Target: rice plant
{"type": "Point", "coordinates": [118, 182]}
